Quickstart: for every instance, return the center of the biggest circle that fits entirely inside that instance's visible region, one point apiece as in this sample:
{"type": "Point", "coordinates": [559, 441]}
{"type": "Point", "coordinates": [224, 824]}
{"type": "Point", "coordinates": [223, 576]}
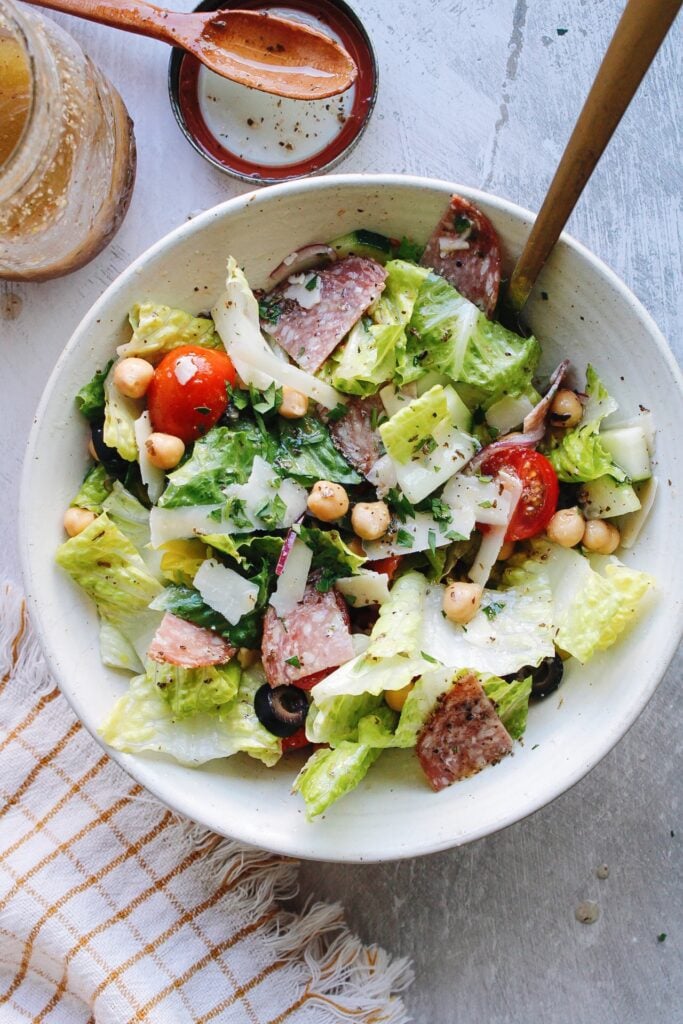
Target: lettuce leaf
{"type": "Point", "coordinates": [225, 455]}
{"type": "Point", "coordinates": [116, 651]}
{"type": "Point", "coordinates": [336, 720]}
{"type": "Point", "coordinates": [248, 550]}
{"type": "Point", "coordinates": [189, 691]}
{"type": "Point", "coordinates": [181, 560]}
{"type": "Point", "coordinates": [306, 453]}
{"type": "Point", "coordinates": [580, 455]}
{"type": "Point", "coordinates": [158, 329]}
{"type": "Point", "coordinates": [128, 514]}
{"type": "Point", "coordinates": [90, 399]}
{"type": "Point", "coordinates": [451, 335]}
{"type": "Point", "coordinates": [94, 490]}
{"type": "Point", "coordinates": [331, 556]}
{"type": "Point", "coordinates": [396, 632]}
{"type": "Point", "coordinates": [395, 306]}
{"type": "Point", "coordinates": [406, 432]}
{"type": "Point", "coordinates": [143, 720]}
{"type": "Point", "coordinates": [330, 774]}
{"type": "Point", "coordinates": [120, 414]}
{"type": "Point", "coordinates": [366, 360]}
{"type": "Point", "coordinates": [511, 701]}
{"type": "Point", "coordinates": [592, 609]}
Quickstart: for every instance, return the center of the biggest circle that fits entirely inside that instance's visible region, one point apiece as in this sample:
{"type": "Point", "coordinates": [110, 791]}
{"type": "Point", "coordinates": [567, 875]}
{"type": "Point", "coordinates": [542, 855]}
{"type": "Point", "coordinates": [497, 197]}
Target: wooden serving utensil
{"type": "Point", "coordinates": [257, 49]}
{"type": "Point", "coordinates": [638, 36]}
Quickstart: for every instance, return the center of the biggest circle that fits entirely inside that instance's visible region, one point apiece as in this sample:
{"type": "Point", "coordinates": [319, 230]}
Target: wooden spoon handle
{"type": "Point", "coordinates": [130, 15]}
{"type": "Point", "coordinates": [638, 36]}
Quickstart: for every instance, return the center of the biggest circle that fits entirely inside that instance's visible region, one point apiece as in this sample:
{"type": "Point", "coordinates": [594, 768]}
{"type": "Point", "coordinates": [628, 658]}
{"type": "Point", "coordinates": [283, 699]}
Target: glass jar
{"type": "Point", "coordinates": [67, 151]}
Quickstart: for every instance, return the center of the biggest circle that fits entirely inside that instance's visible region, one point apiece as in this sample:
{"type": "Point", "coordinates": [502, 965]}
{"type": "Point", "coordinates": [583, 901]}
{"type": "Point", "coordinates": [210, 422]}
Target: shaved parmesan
{"type": "Point", "coordinates": [394, 400]}
{"type": "Point", "coordinates": [421, 533]}
{"type": "Point", "coordinates": [419, 477]}
{"type": "Point", "coordinates": [483, 497]}
{"type": "Point", "coordinates": [262, 487]}
{"type": "Point", "coordinates": [225, 590]}
{"type": "Point", "coordinates": [302, 291]}
{"type": "Point", "coordinates": [631, 525]}
{"type": "Point", "coordinates": [366, 588]}
{"type": "Point", "coordinates": [449, 245]}
{"type": "Point", "coordinates": [493, 541]}
{"type": "Point", "coordinates": [291, 582]}
{"type": "Point", "coordinates": [508, 413]}
{"type": "Point", "coordinates": [179, 523]}
{"type": "Point", "coordinates": [383, 475]}
{"type": "Point", "coordinates": [153, 478]}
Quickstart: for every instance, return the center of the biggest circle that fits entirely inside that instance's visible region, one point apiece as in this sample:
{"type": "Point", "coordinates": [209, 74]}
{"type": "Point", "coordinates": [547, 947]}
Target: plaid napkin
{"type": "Point", "coordinates": [112, 909]}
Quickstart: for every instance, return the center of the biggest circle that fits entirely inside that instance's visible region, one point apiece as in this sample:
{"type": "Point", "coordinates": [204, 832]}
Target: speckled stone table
{"type": "Point", "coordinates": [484, 93]}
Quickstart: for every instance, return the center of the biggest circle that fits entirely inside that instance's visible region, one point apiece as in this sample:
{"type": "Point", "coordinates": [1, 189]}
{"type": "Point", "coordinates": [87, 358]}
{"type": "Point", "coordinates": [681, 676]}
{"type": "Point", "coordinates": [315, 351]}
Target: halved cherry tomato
{"type": "Point", "coordinates": [388, 565]}
{"type": "Point", "coordinates": [295, 741]}
{"type": "Point", "coordinates": [308, 682]}
{"type": "Point", "coordinates": [540, 488]}
{"type": "Point", "coordinates": [187, 395]}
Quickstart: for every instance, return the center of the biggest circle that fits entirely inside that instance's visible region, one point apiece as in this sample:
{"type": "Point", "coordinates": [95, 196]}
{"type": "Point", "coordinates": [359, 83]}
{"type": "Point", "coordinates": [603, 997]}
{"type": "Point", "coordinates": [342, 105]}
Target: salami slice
{"type": "Point", "coordinates": [341, 295]}
{"type": "Point", "coordinates": [465, 249]}
{"type": "Point", "coordinates": [463, 735]}
{"type": "Point", "coordinates": [182, 643]}
{"type": "Point", "coordinates": [356, 434]}
{"type": "Point", "coordinates": [312, 637]}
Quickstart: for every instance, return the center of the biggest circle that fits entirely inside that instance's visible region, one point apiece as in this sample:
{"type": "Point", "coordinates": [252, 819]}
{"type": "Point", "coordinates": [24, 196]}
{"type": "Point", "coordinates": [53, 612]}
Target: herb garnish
{"type": "Point", "coordinates": [294, 661]}
{"type": "Point", "coordinates": [404, 538]}
{"type": "Point", "coordinates": [493, 609]}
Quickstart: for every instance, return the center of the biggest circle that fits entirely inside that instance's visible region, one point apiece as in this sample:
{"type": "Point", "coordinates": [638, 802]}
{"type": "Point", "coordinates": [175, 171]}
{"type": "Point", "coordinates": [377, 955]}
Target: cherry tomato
{"type": "Point", "coordinates": [540, 488]}
{"type": "Point", "coordinates": [187, 395]}
{"type": "Point", "coordinates": [295, 741]}
{"type": "Point", "coordinates": [388, 565]}
{"type": "Point", "coordinates": [308, 682]}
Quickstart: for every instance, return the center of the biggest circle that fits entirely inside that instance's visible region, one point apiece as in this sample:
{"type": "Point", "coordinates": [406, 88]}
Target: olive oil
{"type": "Point", "coordinates": [15, 93]}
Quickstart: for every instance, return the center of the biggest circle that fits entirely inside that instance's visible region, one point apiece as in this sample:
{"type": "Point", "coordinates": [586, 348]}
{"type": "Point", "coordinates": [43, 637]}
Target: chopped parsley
{"type": "Point", "coordinates": [454, 535]}
{"type": "Point", "coordinates": [493, 609]}
{"type": "Point", "coordinates": [462, 224]}
{"type": "Point", "coordinates": [293, 661]}
{"type": "Point", "coordinates": [272, 512]}
{"type": "Point", "coordinates": [428, 657]}
{"type": "Point", "coordinates": [266, 401]}
{"type": "Point", "coordinates": [441, 511]}
{"type": "Point", "coordinates": [236, 509]}
{"type": "Point", "coordinates": [409, 250]}
{"type": "Point", "coordinates": [431, 540]}
{"type": "Point", "coordinates": [340, 410]}
{"type": "Point", "coordinates": [328, 577]}
{"type": "Point", "coordinates": [400, 505]}
{"type": "Point", "coordinates": [311, 283]}
{"type": "Point", "coordinates": [269, 310]}
{"type": "Point", "coordinates": [485, 504]}
{"type": "Point", "coordinates": [404, 538]}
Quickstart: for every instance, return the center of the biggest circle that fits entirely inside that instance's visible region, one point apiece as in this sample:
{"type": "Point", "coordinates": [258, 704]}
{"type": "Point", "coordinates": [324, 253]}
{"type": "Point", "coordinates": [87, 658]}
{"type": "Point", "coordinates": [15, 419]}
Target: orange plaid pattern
{"type": "Point", "coordinates": [113, 910]}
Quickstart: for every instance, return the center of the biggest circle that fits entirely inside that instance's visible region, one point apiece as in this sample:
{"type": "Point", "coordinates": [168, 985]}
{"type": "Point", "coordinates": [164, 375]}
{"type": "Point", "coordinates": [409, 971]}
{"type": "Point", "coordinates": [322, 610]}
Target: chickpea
{"type": "Point", "coordinates": [566, 527]}
{"type": "Point", "coordinates": [328, 501]}
{"type": "Point", "coordinates": [77, 519]}
{"type": "Point", "coordinates": [506, 551]}
{"type": "Point", "coordinates": [461, 601]}
{"type": "Point", "coordinates": [355, 545]}
{"type": "Point", "coordinates": [397, 698]}
{"type": "Point", "coordinates": [294, 403]}
{"type": "Point", "coordinates": [246, 657]}
{"type": "Point", "coordinates": [601, 537]}
{"type": "Point", "coordinates": [566, 409]}
{"type": "Point", "coordinates": [164, 450]}
{"type": "Point", "coordinates": [132, 376]}
{"type": "Point", "coordinates": [371, 519]}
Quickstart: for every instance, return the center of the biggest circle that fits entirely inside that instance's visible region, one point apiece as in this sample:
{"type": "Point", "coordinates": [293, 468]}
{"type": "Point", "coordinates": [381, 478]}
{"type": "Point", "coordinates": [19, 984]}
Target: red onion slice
{"type": "Point", "coordinates": [303, 259]}
{"type": "Point", "coordinates": [533, 426]}
{"type": "Point", "coordinates": [287, 547]}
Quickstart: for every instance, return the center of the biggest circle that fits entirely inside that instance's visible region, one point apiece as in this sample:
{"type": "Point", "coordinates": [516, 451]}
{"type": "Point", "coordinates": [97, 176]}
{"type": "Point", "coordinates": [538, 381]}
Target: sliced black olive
{"type": "Point", "coordinates": [109, 457]}
{"type": "Point", "coordinates": [281, 709]}
{"type": "Point", "coordinates": [545, 678]}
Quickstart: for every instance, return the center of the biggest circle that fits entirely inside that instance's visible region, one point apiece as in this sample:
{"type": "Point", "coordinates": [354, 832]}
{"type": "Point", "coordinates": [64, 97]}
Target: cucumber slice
{"type": "Point", "coordinates": [605, 498]}
{"type": "Point", "coordinates": [364, 243]}
{"type": "Point", "coordinates": [628, 446]}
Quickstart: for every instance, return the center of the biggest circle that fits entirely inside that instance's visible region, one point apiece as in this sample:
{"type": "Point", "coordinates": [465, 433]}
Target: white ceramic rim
{"type": "Point", "coordinates": [135, 766]}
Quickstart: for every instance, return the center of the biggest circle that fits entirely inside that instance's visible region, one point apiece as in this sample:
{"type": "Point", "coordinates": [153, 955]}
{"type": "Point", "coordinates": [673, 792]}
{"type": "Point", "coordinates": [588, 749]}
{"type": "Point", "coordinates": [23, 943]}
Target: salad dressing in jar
{"type": "Point", "coordinates": [67, 151]}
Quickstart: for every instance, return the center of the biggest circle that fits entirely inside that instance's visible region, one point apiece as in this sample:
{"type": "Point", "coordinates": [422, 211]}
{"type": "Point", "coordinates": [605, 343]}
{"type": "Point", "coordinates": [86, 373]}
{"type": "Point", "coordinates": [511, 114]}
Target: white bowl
{"type": "Point", "coordinates": [588, 315]}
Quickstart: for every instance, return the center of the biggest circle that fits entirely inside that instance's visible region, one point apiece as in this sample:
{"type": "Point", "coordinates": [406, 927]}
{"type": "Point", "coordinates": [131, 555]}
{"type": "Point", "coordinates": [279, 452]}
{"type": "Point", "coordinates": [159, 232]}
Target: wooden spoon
{"type": "Point", "coordinates": [254, 48]}
{"type": "Point", "coordinates": [638, 36]}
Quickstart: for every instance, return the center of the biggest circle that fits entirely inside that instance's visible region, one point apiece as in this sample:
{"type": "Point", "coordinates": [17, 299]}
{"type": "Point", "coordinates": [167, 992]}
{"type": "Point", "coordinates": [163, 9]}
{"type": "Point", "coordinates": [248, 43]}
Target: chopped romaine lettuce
{"type": "Point", "coordinates": [90, 399]}
{"type": "Point", "coordinates": [189, 691]}
{"type": "Point", "coordinates": [396, 303]}
{"type": "Point", "coordinates": [126, 512]}
{"type": "Point", "coordinates": [580, 455]}
{"type": "Point", "coordinates": [411, 428]}
{"type": "Point", "coordinates": [307, 454]}
{"type": "Point", "coordinates": [331, 774]}
{"type": "Point", "coordinates": [158, 329]}
{"type": "Point", "coordinates": [116, 650]}
{"type": "Point", "coordinates": [397, 629]}
{"type": "Point", "coordinates": [142, 720]}
{"type": "Point", "coordinates": [366, 360]}
{"type": "Point", "coordinates": [591, 609]}
{"type": "Point", "coordinates": [331, 555]}
{"type": "Point", "coordinates": [449, 334]}
{"type": "Point", "coordinates": [94, 490]}
{"type": "Point", "coordinates": [511, 700]}
{"type": "Point", "coordinates": [225, 455]}
{"type": "Point", "coordinates": [336, 720]}
{"type": "Point", "coordinates": [181, 559]}
{"type": "Point", "coordinates": [120, 414]}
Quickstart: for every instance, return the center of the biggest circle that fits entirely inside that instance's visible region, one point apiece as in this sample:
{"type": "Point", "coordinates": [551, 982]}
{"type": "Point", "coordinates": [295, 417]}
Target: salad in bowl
{"type": "Point", "coordinates": [346, 514]}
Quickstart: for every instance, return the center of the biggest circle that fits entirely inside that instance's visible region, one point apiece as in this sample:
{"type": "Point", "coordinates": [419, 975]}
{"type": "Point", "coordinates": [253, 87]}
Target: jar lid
{"type": "Point", "coordinates": [258, 137]}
